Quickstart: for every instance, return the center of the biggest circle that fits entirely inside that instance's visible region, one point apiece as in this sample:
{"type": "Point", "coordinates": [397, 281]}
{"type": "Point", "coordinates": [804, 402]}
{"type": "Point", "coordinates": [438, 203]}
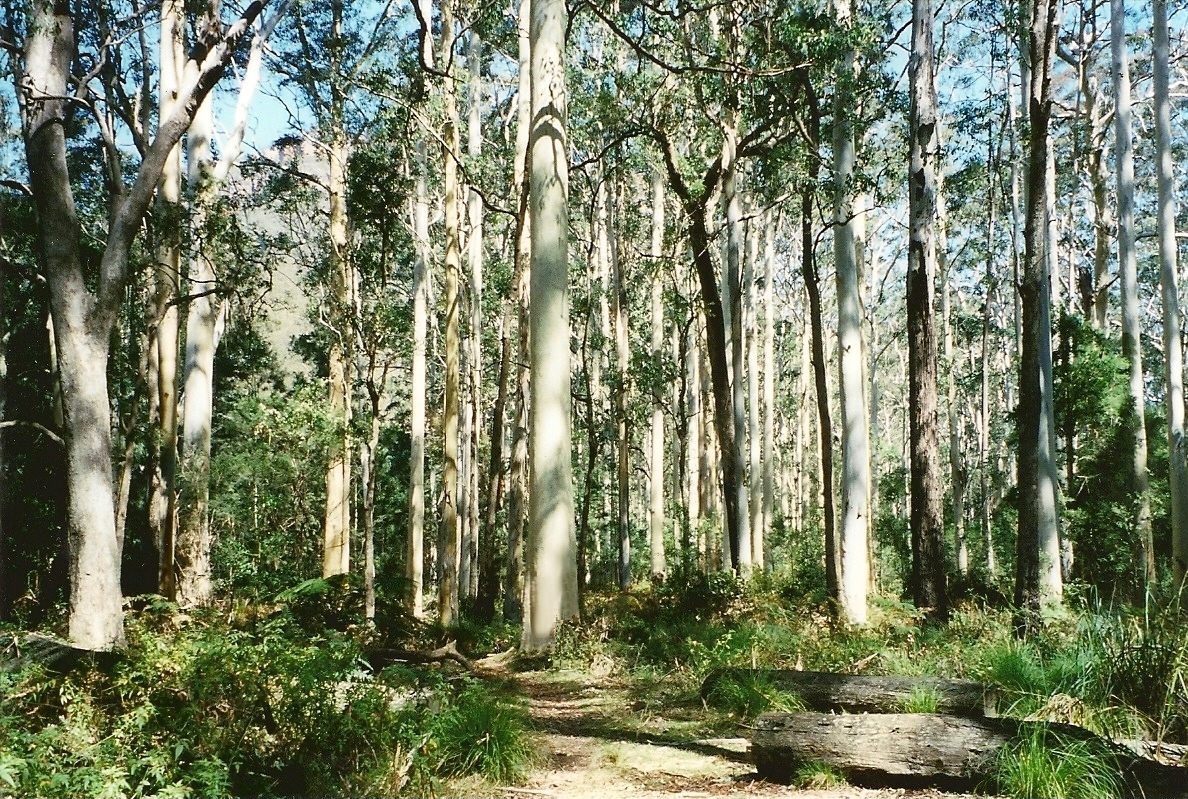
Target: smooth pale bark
{"type": "Point", "coordinates": [855, 443]}
{"type": "Point", "coordinates": [552, 546]}
{"type": "Point", "coordinates": [957, 470]}
{"type": "Point", "coordinates": [367, 451]}
{"type": "Point", "coordinates": [474, 209]}
{"type": "Point", "coordinates": [164, 322]}
{"type": "Point", "coordinates": [1037, 573]}
{"type": "Point", "coordinates": [84, 319]}
{"type": "Point", "coordinates": [991, 286]}
{"type": "Point", "coordinates": [415, 555]}
{"type": "Point", "coordinates": [927, 490]}
{"type": "Point", "coordinates": [769, 380]}
{"type": "Point", "coordinates": [739, 533]}
{"type": "Point", "coordinates": [694, 444]}
{"type": "Point", "coordinates": [447, 588]}
{"type": "Point", "coordinates": [656, 497]}
{"type": "Point", "coordinates": [1144, 555]}
{"type": "Point", "coordinates": [1173, 352]}
{"type": "Point", "coordinates": [204, 318]}
{"type": "Point", "coordinates": [336, 530]}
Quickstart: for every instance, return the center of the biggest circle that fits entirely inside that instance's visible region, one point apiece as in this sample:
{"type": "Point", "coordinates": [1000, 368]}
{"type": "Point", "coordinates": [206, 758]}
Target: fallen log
{"type": "Point", "coordinates": [856, 693]}
{"type": "Point", "coordinates": [924, 749]}
{"type": "Point", "coordinates": [381, 657]}
{"type": "Point", "coordinates": [18, 652]}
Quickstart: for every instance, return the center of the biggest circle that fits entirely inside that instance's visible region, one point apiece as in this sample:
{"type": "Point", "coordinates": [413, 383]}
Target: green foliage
{"type": "Point", "coordinates": [1046, 764]}
{"type": "Point", "coordinates": [261, 708]}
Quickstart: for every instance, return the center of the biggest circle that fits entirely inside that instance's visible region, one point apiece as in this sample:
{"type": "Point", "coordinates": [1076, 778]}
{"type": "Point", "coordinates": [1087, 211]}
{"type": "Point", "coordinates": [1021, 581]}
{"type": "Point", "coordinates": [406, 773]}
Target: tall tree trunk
{"type": "Point", "coordinates": [415, 556]}
{"type": "Point", "coordinates": [608, 245]}
{"type": "Point", "coordinates": [740, 532]}
{"type": "Point", "coordinates": [1132, 346]}
{"type": "Point", "coordinates": [447, 589]}
{"type": "Point", "coordinates": [855, 485]}
{"type": "Point", "coordinates": [1173, 352]}
{"type": "Point", "coordinates": [769, 379]}
{"type": "Point", "coordinates": [164, 325]}
{"type": "Point", "coordinates": [991, 287]}
{"type": "Point", "coordinates": [1037, 574]}
{"type": "Point", "coordinates": [754, 426]}
{"type": "Point", "coordinates": [927, 490]}
{"type": "Point", "coordinates": [336, 552]}
{"type": "Point", "coordinates": [552, 547]}
{"type": "Point", "coordinates": [517, 505]}
{"type": "Point", "coordinates": [204, 315]}
{"type": "Point", "coordinates": [812, 284]}
{"type": "Point", "coordinates": [694, 446]}
{"type": "Point", "coordinates": [474, 245]}
{"type": "Point", "coordinates": [656, 499]}
{"type": "Point", "coordinates": [83, 320]}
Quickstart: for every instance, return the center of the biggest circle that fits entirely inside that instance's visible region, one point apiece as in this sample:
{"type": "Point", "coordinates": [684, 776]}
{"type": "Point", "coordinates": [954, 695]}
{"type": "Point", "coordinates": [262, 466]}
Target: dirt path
{"type": "Point", "coordinates": [601, 740]}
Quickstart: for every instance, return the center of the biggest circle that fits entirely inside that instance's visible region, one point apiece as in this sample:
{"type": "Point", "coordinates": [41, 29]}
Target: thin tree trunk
{"type": "Point", "coordinates": [447, 593]}
{"type": "Point", "coordinates": [769, 379]}
{"type": "Point", "coordinates": [833, 566]}
{"type": "Point", "coordinates": [855, 487]}
{"type": "Point", "coordinates": [552, 547]}
{"type": "Point", "coordinates": [656, 499]}
{"type": "Point", "coordinates": [619, 324]}
{"type": "Point", "coordinates": [754, 425]}
{"type": "Point", "coordinates": [415, 556]}
{"type": "Point", "coordinates": [474, 201]}
{"type": "Point", "coordinates": [1173, 352]}
{"type": "Point", "coordinates": [927, 490]}
{"type": "Point", "coordinates": [1144, 555]}
{"type": "Point", "coordinates": [164, 325]}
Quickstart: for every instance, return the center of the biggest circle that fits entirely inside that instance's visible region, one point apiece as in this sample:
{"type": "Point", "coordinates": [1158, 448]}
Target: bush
{"type": "Point", "coordinates": [1043, 764]}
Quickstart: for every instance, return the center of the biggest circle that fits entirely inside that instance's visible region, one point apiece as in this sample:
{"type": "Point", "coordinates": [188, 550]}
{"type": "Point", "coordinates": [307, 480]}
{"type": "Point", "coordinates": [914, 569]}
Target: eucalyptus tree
{"type": "Point", "coordinates": [85, 301]}
{"type": "Point", "coordinates": [1173, 352]}
{"type": "Point", "coordinates": [551, 547]}
{"type": "Point", "coordinates": [927, 492]}
{"type": "Point", "coordinates": [1037, 572]}
{"type": "Point", "coordinates": [323, 53]}
{"type": "Point", "coordinates": [1128, 272]}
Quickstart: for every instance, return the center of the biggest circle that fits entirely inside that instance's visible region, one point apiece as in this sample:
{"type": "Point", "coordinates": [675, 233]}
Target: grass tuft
{"type": "Point", "coordinates": [1044, 764]}
{"type": "Point", "coordinates": [817, 776]}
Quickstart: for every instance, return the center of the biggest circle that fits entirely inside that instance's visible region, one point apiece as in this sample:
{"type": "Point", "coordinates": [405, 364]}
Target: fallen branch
{"type": "Point", "coordinates": [379, 658]}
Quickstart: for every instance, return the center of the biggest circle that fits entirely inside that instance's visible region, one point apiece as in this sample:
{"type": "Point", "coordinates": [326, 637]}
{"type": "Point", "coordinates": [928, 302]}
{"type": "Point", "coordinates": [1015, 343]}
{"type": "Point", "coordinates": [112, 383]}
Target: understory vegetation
{"type": "Point", "coordinates": [280, 699]}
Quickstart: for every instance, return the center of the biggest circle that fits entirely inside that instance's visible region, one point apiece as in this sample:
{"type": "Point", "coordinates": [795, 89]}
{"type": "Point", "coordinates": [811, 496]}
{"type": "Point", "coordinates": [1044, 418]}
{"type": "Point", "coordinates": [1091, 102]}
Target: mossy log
{"type": "Point", "coordinates": [856, 693]}
{"type": "Point", "coordinates": [925, 749]}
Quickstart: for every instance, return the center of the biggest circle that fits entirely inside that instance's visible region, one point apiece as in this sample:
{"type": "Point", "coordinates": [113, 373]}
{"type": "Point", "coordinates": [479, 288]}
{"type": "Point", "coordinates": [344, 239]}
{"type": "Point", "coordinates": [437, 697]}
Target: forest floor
{"type": "Point", "coordinates": [602, 737]}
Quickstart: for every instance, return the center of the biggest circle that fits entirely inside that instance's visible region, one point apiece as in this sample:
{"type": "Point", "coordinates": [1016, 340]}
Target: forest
{"type": "Point", "coordinates": [459, 397]}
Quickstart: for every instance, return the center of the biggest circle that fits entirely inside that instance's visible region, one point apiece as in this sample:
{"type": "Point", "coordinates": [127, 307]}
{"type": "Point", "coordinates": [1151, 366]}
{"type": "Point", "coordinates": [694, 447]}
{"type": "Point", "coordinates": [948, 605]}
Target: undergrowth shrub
{"type": "Point", "coordinates": [748, 693]}
{"type": "Point", "coordinates": [197, 707]}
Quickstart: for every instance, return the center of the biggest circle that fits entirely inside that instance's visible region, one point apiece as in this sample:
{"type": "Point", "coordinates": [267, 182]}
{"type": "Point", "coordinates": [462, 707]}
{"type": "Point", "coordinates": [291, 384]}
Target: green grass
{"type": "Point", "coordinates": [921, 700]}
{"type": "Point", "coordinates": [749, 693]}
{"type": "Point", "coordinates": [817, 776]}
{"type": "Point", "coordinates": [1044, 764]}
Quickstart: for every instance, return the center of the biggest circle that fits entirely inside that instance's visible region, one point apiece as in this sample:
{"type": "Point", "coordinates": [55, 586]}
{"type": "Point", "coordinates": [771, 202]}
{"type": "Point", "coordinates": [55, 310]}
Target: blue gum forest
{"type": "Point", "coordinates": [379, 379]}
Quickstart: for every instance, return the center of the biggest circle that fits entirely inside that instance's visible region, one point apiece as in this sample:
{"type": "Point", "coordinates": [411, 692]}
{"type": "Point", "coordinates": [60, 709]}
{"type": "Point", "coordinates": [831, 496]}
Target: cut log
{"type": "Point", "coordinates": [855, 693]}
{"type": "Point", "coordinates": [923, 749]}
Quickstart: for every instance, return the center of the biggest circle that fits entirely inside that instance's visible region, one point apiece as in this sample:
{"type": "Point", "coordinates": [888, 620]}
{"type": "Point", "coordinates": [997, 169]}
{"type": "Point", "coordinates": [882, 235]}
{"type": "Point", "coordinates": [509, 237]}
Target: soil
{"type": "Point", "coordinates": [599, 737]}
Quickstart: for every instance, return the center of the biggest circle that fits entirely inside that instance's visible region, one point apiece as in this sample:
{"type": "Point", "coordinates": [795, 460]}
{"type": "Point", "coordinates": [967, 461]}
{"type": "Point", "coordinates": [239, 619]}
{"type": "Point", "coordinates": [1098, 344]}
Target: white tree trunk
{"type": "Point", "coordinates": [656, 498]}
{"type": "Point", "coordinates": [754, 424]}
{"type": "Point", "coordinates": [1144, 566]}
{"type": "Point", "coordinates": [855, 482]}
{"type": "Point", "coordinates": [740, 542]}
{"type": "Point", "coordinates": [415, 556]}
{"type": "Point", "coordinates": [769, 379]}
{"type": "Point", "coordinates": [552, 545]}
{"type": "Point", "coordinates": [1173, 352]}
